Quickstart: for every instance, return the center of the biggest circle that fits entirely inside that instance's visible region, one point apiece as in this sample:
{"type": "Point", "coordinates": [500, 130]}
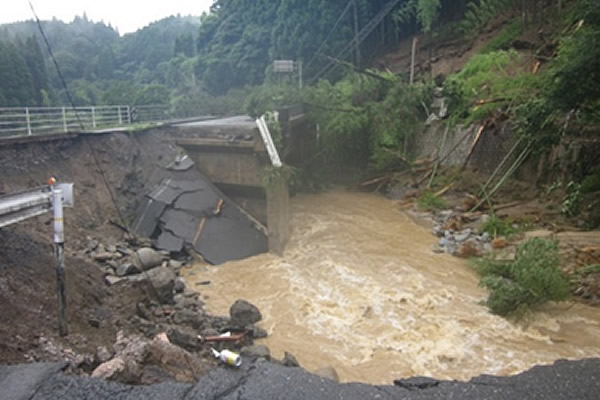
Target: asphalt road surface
{"type": "Point", "coordinates": [263, 380]}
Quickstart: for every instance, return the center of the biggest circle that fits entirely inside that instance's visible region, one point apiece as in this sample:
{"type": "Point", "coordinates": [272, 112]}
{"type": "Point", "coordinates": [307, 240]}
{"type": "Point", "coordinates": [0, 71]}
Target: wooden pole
{"type": "Point", "coordinates": [412, 60]}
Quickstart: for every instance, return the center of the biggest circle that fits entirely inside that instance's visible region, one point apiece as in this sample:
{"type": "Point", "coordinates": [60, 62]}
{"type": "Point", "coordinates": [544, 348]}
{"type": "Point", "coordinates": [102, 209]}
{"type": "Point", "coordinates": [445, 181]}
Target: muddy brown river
{"type": "Point", "coordinates": [359, 289]}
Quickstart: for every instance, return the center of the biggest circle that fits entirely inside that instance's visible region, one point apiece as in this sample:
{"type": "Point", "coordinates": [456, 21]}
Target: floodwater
{"type": "Point", "coordinates": [359, 289]}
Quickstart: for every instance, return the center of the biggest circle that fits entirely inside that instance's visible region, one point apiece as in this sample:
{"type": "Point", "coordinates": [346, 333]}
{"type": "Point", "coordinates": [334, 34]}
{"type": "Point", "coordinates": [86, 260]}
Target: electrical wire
{"type": "Point", "coordinates": [81, 126]}
{"type": "Point", "coordinates": [357, 40]}
{"type": "Point", "coordinates": [342, 15]}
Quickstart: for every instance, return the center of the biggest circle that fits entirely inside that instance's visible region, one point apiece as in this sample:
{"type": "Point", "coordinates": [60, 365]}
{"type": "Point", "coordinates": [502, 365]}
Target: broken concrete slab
{"type": "Point", "coordinates": [164, 193]}
{"type": "Point", "coordinates": [205, 202]}
{"type": "Point", "coordinates": [169, 242]}
{"type": "Point", "coordinates": [229, 237]}
{"type": "Point", "coordinates": [147, 217]}
{"type": "Point", "coordinates": [188, 186]}
{"type": "Point", "coordinates": [181, 163]}
{"type": "Point", "coordinates": [180, 223]}
{"type": "Point", "coordinates": [186, 209]}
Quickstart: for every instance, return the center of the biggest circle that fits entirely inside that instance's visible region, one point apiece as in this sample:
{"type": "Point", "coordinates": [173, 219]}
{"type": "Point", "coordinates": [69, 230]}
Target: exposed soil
{"type": "Point", "coordinates": [96, 311]}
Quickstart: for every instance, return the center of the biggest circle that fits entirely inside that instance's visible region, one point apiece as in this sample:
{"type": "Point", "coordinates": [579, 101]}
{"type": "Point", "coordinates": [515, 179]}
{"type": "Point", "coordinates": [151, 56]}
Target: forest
{"type": "Point", "coordinates": [222, 62]}
{"type": "Point", "coordinates": [232, 46]}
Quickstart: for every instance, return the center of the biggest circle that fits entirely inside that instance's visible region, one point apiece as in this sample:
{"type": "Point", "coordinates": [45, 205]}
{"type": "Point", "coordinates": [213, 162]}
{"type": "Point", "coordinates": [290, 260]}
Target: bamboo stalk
{"type": "Point", "coordinates": [437, 160]}
{"type": "Point", "coordinates": [504, 160]}
{"type": "Point", "coordinates": [510, 171]}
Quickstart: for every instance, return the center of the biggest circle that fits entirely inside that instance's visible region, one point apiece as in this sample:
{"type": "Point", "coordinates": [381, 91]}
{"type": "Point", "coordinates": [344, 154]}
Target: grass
{"type": "Point", "coordinates": [505, 38]}
{"type": "Point", "coordinates": [428, 201]}
{"type": "Point", "coordinates": [496, 226]}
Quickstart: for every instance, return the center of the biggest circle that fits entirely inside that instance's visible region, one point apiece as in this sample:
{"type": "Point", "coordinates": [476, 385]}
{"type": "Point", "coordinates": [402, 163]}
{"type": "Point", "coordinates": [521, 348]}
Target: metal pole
{"type": "Point", "coordinates": [128, 115]}
{"type": "Point", "coordinates": [59, 253]}
{"type": "Point", "coordinates": [300, 74]}
{"type": "Point", "coordinates": [120, 117]}
{"type": "Point", "coordinates": [28, 121]}
{"type": "Point", "coordinates": [94, 117]}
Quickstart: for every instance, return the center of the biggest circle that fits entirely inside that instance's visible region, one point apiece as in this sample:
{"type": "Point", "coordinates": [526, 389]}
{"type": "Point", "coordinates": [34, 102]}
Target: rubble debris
{"type": "Point", "coordinates": [457, 240]}
{"type": "Point", "coordinates": [139, 361]}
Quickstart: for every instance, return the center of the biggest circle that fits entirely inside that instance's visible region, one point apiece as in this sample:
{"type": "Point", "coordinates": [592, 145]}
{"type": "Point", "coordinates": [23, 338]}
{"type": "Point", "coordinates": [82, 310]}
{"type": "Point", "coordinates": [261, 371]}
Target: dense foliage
{"type": "Point", "coordinates": [533, 278]}
{"type": "Point", "coordinates": [233, 46]}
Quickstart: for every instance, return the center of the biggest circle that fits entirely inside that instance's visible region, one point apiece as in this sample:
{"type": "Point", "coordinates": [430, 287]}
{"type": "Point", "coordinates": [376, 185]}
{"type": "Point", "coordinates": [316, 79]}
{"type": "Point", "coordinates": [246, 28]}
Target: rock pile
{"type": "Point", "coordinates": [460, 235]}
{"type": "Point", "coordinates": [171, 322]}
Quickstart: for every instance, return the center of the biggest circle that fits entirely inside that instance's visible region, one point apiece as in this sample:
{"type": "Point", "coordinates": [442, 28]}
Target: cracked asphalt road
{"type": "Point", "coordinates": [264, 380]}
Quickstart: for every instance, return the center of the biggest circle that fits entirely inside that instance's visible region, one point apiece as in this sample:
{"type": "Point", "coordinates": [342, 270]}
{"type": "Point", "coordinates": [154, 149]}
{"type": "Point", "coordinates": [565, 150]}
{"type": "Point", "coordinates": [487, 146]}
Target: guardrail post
{"type": "Point", "coordinates": [59, 252]}
{"type": "Point", "coordinates": [64, 118]}
{"type": "Point", "coordinates": [128, 115]}
{"type": "Point", "coordinates": [120, 117]}
{"type": "Point", "coordinates": [93, 117]}
{"type": "Point", "coordinates": [28, 121]}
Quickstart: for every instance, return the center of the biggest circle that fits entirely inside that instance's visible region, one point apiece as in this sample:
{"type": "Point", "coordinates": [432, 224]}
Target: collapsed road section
{"type": "Point", "coordinates": [186, 212]}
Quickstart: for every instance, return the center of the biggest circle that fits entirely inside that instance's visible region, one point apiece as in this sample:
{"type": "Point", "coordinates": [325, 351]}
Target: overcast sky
{"type": "Point", "coordinates": [126, 15]}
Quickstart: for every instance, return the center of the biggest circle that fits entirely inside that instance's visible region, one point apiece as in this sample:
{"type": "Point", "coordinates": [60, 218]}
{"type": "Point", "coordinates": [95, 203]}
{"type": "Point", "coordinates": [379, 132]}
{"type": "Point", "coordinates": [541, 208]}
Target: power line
{"type": "Point", "coordinates": [342, 15]}
{"type": "Point", "coordinates": [356, 41]}
{"type": "Point", "coordinates": [81, 126]}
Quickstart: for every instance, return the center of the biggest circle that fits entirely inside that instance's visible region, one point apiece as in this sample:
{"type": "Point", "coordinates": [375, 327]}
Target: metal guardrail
{"type": "Point", "coordinates": [26, 121]}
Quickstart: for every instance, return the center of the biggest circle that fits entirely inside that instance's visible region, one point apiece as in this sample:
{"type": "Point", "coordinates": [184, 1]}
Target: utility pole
{"type": "Point", "coordinates": [357, 57]}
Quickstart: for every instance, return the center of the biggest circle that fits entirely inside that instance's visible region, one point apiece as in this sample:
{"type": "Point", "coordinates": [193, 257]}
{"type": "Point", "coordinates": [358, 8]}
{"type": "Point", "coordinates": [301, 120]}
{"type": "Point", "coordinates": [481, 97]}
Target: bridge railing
{"type": "Point", "coordinates": [23, 121]}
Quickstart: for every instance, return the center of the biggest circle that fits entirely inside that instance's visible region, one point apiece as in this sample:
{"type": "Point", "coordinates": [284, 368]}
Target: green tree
{"type": "Point", "coordinates": [34, 59]}
{"type": "Point", "coordinates": [16, 83]}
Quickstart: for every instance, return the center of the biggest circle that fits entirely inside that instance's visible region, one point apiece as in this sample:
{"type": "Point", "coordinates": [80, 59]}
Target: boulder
{"type": "Point", "coordinates": [148, 258]}
{"type": "Point", "coordinates": [103, 256]}
{"type": "Point", "coordinates": [256, 351]}
{"type": "Point", "coordinates": [259, 333]}
{"type": "Point", "coordinates": [113, 280]}
{"type": "Point", "coordinates": [499, 243]}
{"type": "Point", "coordinates": [139, 361]}
{"type": "Point", "coordinates": [102, 355]}
{"type": "Point", "coordinates": [184, 338]}
{"type": "Point", "coordinates": [329, 373]}
{"type": "Point", "coordinates": [127, 269]}
{"type": "Point", "coordinates": [163, 282]}
{"type": "Point", "coordinates": [188, 317]}
{"type": "Point", "coordinates": [243, 313]}
{"type": "Point", "coordinates": [179, 285]}
{"type": "Point", "coordinates": [177, 362]}
{"type": "Point", "coordinates": [119, 370]}
{"type": "Point", "coordinates": [469, 249]}
{"type": "Point", "coordinates": [289, 360]}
